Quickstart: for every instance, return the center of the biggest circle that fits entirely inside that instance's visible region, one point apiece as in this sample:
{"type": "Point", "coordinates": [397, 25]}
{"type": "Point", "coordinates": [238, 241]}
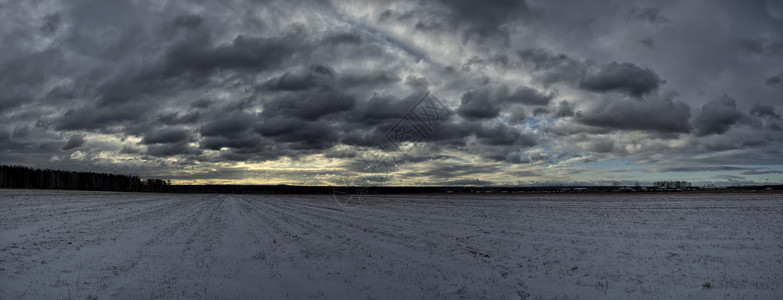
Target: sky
{"type": "Point", "coordinates": [396, 93]}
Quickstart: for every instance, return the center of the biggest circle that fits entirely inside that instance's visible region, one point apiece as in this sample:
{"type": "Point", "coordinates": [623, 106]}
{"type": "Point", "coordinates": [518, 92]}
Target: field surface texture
{"type": "Point", "coordinates": [88, 245]}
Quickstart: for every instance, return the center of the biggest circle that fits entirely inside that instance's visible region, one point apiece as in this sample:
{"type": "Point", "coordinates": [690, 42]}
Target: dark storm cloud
{"type": "Point", "coordinates": [379, 109]}
{"type": "Point", "coordinates": [230, 125]}
{"type": "Point", "coordinates": [316, 77]}
{"type": "Point", "coordinates": [244, 53]}
{"type": "Point", "coordinates": [775, 80]}
{"type": "Point", "coordinates": [368, 79]}
{"type": "Point", "coordinates": [307, 96]}
{"type": "Point", "coordinates": [343, 38]}
{"type": "Point", "coordinates": [299, 134]}
{"type": "Point", "coordinates": [75, 141]}
{"type": "Point", "coordinates": [309, 105]}
{"type": "Point", "coordinates": [483, 20]}
{"type": "Point", "coordinates": [279, 125]}
{"type": "Point", "coordinates": [190, 63]}
{"type": "Point", "coordinates": [166, 136]}
{"type": "Point", "coordinates": [203, 103]}
{"type": "Point", "coordinates": [623, 77]}
{"type": "Point", "coordinates": [764, 111]}
{"type": "Point", "coordinates": [175, 118]}
{"type": "Point", "coordinates": [478, 104]}
{"type": "Point", "coordinates": [498, 134]}
{"type": "Point", "coordinates": [564, 109]}
{"type": "Point", "coordinates": [717, 116]}
{"type": "Point", "coordinates": [531, 96]}
{"type": "Point", "coordinates": [98, 118]}
{"type": "Point", "coordinates": [21, 78]}
{"type": "Point", "coordinates": [488, 102]}
{"type": "Point", "coordinates": [186, 64]}
{"type": "Point", "coordinates": [657, 114]}
{"type": "Point", "coordinates": [170, 149]}
{"type": "Point", "coordinates": [551, 68]}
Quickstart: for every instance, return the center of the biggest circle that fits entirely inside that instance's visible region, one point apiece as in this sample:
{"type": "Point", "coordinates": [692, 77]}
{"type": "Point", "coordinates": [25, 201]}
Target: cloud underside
{"type": "Point", "coordinates": [312, 92]}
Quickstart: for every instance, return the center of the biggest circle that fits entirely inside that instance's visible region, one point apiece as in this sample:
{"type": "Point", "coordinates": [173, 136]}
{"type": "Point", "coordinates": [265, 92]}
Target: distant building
{"type": "Point", "coordinates": [672, 185]}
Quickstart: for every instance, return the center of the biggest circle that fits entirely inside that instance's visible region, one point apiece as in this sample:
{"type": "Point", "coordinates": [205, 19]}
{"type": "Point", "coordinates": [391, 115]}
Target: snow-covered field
{"type": "Point", "coordinates": [61, 244]}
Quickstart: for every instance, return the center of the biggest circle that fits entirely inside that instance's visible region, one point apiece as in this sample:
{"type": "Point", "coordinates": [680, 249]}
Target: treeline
{"type": "Point", "coordinates": [29, 178]}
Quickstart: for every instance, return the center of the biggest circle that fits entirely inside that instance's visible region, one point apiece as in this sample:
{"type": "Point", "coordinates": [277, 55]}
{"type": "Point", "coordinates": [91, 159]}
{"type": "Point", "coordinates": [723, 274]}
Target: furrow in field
{"type": "Point", "coordinates": [97, 248]}
{"type": "Point", "coordinates": [378, 243]}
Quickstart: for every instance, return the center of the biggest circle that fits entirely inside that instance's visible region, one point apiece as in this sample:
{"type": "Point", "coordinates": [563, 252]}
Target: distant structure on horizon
{"type": "Point", "coordinates": [672, 185]}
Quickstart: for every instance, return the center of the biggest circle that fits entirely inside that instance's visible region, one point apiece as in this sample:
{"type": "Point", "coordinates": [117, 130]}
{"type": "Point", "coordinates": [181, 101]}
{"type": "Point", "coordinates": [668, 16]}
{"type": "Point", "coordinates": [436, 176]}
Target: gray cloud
{"type": "Point", "coordinates": [233, 124]}
{"type": "Point", "coordinates": [174, 118]}
{"type": "Point", "coordinates": [551, 68]}
{"type": "Point", "coordinates": [487, 102]}
{"type": "Point", "coordinates": [717, 116]}
{"type": "Point", "coordinates": [761, 46]}
{"type": "Point", "coordinates": [624, 77]}
{"type": "Point", "coordinates": [775, 80]}
{"type": "Point", "coordinates": [170, 149]}
{"type": "Point", "coordinates": [564, 109]}
{"type": "Point", "coordinates": [75, 141]}
{"type": "Point", "coordinates": [447, 169]}
{"type": "Point", "coordinates": [99, 118]}
{"type": "Point", "coordinates": [648, 41]}
{"type": "Point", "coordinates": [309, 105]}
{"type": "Point", "coordinates": [479, 104]}
{"type": "Point", "coordinates": [700, 168]}
{"type": "Point", "coordinates": [481, 21]}
{"type": "Point", "coordinates": [527, 95]}
{"type": "Point", "coordinates": [647, 14]}
{"type": "Point", "coordinates": [166, 136]}
{"type": "Point", "coordinates": [764, 111]}
{"type": "Point", "coordinates": [244, 53]}
{"type": "Point", "coordinates": [316, 77]}
{"type": "Point", "coordinates": [761, 172]}
{"type": "Point", "coordinates": [20, 78]}
{"type": "Point", "coordinates": [657, 114]}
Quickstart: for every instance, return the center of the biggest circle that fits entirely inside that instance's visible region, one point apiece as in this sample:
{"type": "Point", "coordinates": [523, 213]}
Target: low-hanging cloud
{"type": "Point", "coordinates": [717, 116]}
{"type": "Point", "coordinates": [622, 77]}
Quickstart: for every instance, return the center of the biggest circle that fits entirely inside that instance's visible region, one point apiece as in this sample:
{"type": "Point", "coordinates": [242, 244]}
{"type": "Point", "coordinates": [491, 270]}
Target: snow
{"type": "Point", "coordinates": [66, 244]}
